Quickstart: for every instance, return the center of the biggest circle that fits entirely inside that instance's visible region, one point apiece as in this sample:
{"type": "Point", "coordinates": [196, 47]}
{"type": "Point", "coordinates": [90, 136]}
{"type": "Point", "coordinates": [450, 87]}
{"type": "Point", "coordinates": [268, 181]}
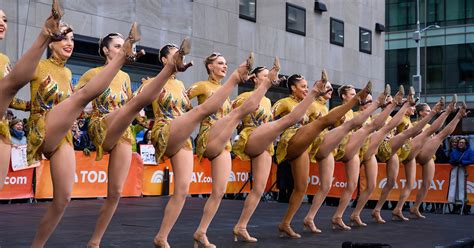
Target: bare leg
{"type": "Point", "coordinates": [119, 165]}
{"type": "Point", "coordinates": [221, 167]}
{"type": "Point", "coordinates": [222, 130]}
{"type": "Point", "coordinates": [326, 171]}
{"type": "Point", "coordinates": [428, 175]}
{"type": "Point", "coordinates": [261, 166]}
{"type": "Point", "coordinates": [352, 174]}
{"type": "Point", "coordinates": [4, 162]}
{"type": "Point", "coordinates": [300, 171]}
{"type": "Point", "coordinates": [393, 166]}
{"type": "Point", "coordinates": [410, 173]}
{"type": "Point", "coordinates": [371, 169]}
{"type": "Point", "coordinates": [182, 163]}
{"type": "Point", "coordinates": [63, 164]}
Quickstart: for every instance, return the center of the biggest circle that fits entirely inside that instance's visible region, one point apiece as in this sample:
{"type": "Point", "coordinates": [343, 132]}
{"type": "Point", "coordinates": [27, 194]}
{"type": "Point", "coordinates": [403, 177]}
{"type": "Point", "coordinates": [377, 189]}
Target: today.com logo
{"type": "Point", "coordinates": [434, 185]}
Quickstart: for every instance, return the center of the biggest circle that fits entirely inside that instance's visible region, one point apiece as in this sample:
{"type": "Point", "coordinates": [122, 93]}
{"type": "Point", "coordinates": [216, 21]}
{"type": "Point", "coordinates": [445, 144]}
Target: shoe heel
{"type": "Point", "coordinates": [235, 238]}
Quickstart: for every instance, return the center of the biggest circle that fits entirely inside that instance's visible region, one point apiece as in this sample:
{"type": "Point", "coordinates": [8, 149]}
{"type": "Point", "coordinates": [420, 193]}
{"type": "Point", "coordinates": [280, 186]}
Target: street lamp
{"type": "Point", "coordinates": [417, 38]}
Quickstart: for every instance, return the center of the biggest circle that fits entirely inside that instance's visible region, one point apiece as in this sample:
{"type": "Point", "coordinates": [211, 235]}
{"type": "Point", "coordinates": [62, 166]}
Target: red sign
{"type": "Point", "coordinates": [18, 184]}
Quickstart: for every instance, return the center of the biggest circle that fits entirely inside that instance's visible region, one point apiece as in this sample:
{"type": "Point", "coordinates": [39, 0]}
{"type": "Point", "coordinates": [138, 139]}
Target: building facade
{"type": "Point", "coordinates": [447, 52]}
{"type": "Point", "coordinates": [306, 36]}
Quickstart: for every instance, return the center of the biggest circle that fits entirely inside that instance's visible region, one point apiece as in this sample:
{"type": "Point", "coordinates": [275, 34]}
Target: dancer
{"type": "Point", "coordinates": [367, 153]}
{"type": "Point", "coordinates": [111, 119]}
{"type": "Point", "coordinates": [175, 117]}
{"type": "Point", "coordinates": [50, 135]}
{"type": "Point", "coordinates": [322, 153]}
{"type": "Point", "coordinates": [348, 150]}
{"type": "Point", "coordinates": [296, 141]}
{"type": "Point", "coordinates": [418, 145]}
{"type": "Point", "coordinates": [394, 147]}
{"type": "Point", "coordinates": [213, 142]}
{"type": "Point", "coordinates": [255, 143]}
{"type": "Point", "coordinates": [20, 75]}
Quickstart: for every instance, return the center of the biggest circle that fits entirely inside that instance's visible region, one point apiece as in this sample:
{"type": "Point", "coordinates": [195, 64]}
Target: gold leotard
{"type": "Point", "coordinates": [4, 70]}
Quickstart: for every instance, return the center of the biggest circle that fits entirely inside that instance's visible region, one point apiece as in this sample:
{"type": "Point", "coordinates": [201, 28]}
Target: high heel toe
{"type": "Point", "coordinates": [356, 221]}
{"type": "Point", "coordinates": [129, 46]}
{"type": "Point", "coordinates": [244, 235]}
{"type": "Point", "coordinates": [286, 230]}
{"type": "Point", "coordinates": [377, 217]}
{"type": "Point", "coordinates": [337, 223]}
{"type": "Point", "coordinates": [202, 239]}
{"type": "Point", "coordinates": [310, 226]}
{"type": "Point", "coordinates": [398, 216]}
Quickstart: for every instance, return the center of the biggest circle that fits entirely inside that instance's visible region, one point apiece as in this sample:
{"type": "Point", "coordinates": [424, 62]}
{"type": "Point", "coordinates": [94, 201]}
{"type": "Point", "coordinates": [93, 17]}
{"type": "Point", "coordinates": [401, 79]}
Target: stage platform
{"type": "Point", "coordinates": [137, 220]}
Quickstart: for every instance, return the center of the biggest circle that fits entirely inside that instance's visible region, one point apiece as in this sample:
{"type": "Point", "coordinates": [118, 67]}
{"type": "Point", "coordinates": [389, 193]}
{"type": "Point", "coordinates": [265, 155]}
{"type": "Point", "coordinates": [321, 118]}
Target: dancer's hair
{"type": "Point", "coordinates": [344, 89]}
{"type": "Point", "coordinates": [105, 42]}
{"type": "Point", "coordinates": [292, 80]}
{"type": "Point", "coordinates": [165, 50]}
{"type": "Point", "coordinates": [211, 59]}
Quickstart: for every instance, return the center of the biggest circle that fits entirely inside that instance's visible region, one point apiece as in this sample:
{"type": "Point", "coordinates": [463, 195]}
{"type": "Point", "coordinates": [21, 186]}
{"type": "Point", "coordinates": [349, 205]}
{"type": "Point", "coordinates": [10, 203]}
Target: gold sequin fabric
{"type": "Point", "coordinates": [114, 97]}
{"type": "Point", "coordinates": [203, 90]}
{"type": "Point", "coordinates": [261, 115]}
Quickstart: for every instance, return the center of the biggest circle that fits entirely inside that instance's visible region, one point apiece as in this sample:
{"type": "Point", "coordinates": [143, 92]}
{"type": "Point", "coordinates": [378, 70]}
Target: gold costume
{"type": "Point", "coordinates": [340, 150]}
{"type": "Point", "coordinates": [171, 103]}
{"type": "Point", "coordinates": [50, 85]}
{"type": "Point", "coordinates": [115, 96]}
{"type": "Point", "coordinates": [283, 107]}
{"type": "Point", "coordinates": [250, 122]}
{"type": "Point", "coordinates": [384, 151]}
{"type": "Point", "coordinates": [203, 90]}
{"type": "Point", "coordinates": [4, 70]}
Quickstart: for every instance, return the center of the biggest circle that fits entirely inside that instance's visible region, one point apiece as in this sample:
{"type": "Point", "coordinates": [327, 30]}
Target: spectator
{"type": "Point", "coordinates": [459, 158]}
{"type": "Point", "coordinates": [146, 140]}
{"type": "Point", "coordinates": [80, 139]}
{"type": "Point", "coordinates": [10, 115]}
{"type": "Point", "coordinates": [17, 132]}
{"type": "Point", "coordinates": [453, 144]}
{"type": "Point", "coordinates": [441, 156]}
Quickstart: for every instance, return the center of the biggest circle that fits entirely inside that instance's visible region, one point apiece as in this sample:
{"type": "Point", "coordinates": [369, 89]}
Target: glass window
{"type": "Point", "coordinates": [365, 40]}
{"type": "Point", "coordinates": [248, 10]}
{"type": "Point", "coordinates": [435, 12]}
{"type": "Point", "coordinates": [295, 19]}
{"type": "Point", "coordinates": [337, 32]}
{"type": "Point", "coordinates": [401, 15]}
{"type": "Point", "coordinates": [469, 11]}
{"type": "Point", "coordinates": [455, 12]}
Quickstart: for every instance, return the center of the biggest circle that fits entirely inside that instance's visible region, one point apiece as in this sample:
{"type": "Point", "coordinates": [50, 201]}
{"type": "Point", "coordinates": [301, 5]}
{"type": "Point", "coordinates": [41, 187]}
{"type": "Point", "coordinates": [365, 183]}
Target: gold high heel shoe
{"type": "Point", "coordinates": [384, 99]}
{"type": "Point", "coordinates": [202, 239]}
{"type": "Point", "coordinates": [338, 223]}
{"type": "Point", "coordinates": [463, 110]}
{"type": "Point", "coordinates": [245, 68]}
{"type": "Point", "coordinates": [356, 221]}
{"type": "Point", "coordinates": [365, 91]}
{"type": "Point", "coordinates": [415, 214]}
{"type": "Point", "coordinates": [398, 216]}
{"type": "Point", "coordinates": [52, 26]}
{"type": "Point", "coordinates": [452, 105]}
{"type": "Point", "coordinates": [310, 226]}
{"type": "Point", "coordinates": [178, 57]}
{"type": "Point", "coordinates": [161, 243]}
{"type": "Point", "coordinates": [377, 217]}
{"type": "Point", "coordinates": [286, 229]}
{"type": "Point", "coordinates": [273, 74]}
{"type": "Point", "coordinates": [242, 233]}
{"type": "Point", "coordinates": [129, 46]}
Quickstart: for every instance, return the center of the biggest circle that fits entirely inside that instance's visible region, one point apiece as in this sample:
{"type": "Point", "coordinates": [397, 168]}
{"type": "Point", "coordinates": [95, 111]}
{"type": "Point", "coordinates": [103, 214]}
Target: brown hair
{"type": "Point", "coordinates": [209, 59]}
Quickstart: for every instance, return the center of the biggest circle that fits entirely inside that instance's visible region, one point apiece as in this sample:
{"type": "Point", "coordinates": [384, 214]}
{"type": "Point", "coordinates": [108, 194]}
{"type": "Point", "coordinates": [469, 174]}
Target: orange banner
{"type": "Point", "coordinates": [18, 184]}
{"type": "Point", "coordinates": [470, 184]}
{"type": "Point", "coordinates": [437, 191]}
{"type": "Point", "coordinates": [201, 179]}
{"type": "Point", "coordinates": [339, 181]}
{"type": "Point", "coordinates": [90, 178]}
